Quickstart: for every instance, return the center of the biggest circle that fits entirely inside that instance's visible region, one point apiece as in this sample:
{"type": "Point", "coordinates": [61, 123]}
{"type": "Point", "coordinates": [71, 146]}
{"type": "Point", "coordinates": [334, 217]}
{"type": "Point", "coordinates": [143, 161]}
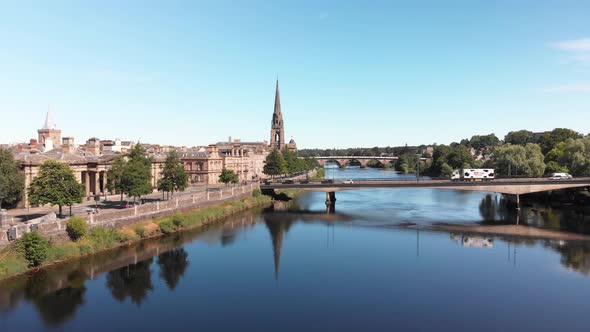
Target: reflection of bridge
{"type": "Point", "coordinates": [363, 160]}
{"type": "Point", "coordinates": [513, 186]}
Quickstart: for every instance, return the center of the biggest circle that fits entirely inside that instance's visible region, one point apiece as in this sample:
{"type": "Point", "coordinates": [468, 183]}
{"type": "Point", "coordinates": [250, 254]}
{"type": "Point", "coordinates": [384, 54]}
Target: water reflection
{"type": "Point", "coordinates": [58, 293]}
{"type": "Point", "coordinates": [172, 265]}
{"type": "Point", "coordinates": [498, 209]}
{"type": "Point", "coordinates": [133, 281]}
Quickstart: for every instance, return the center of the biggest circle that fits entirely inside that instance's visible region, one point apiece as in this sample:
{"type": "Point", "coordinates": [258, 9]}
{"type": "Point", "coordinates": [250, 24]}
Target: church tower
{"type": "Point", "coordinates": [277, 131]}
{"type": "Point", "coordinates": [49, 136]}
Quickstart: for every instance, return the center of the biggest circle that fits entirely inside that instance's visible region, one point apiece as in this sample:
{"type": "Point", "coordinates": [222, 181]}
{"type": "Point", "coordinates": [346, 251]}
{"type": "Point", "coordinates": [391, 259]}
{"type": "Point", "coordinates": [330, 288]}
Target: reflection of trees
{"type": "Point", "coordinates": [173, 264]}
{"type": "Point", "coordinates": [59, 306]}
{"type": "Point", "coordinates": [133, 281]}
{"type": "Point", "coordinates": [493, 210]}
{"type": "Point", "coordinates": [575, 256]}
{"type": "Point", "coordinates": [534, 213]}
{"type": "Point", "coordinates": [228, 237]}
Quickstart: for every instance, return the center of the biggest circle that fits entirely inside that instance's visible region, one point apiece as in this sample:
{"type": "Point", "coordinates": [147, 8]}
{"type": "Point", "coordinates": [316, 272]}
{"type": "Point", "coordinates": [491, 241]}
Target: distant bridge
{"type": "Point", "coordinates": [363, 160]}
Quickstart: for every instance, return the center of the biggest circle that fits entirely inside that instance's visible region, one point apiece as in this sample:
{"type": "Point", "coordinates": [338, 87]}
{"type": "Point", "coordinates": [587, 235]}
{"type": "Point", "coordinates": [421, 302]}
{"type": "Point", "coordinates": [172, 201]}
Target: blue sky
{"type": "Point", "coordinates": [352, 73]}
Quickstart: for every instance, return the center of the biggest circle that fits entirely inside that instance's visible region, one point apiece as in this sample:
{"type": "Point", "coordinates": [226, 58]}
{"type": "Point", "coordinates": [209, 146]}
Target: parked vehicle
{"type": "Point", "coordinates": [472, 174]}
{"type": "Point", "coordinates": [288, 182]}
{"type": "Point", "coordinates": [304, 181]}
{"type": "Point", "coordinates": [328, 181]}
{"type": "Point", "coordinates": [348, 181]}
{"type": "Point", "coordinates": [560, 176]}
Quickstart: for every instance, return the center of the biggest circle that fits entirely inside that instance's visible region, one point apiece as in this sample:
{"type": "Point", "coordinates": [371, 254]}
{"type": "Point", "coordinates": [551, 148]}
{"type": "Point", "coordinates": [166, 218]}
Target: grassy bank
{"type": "Point", "coordinates": [13, 259]}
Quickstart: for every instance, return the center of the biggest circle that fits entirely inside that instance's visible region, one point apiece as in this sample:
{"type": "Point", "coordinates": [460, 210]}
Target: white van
{"type": "Point", "coordinates": [560, 176]}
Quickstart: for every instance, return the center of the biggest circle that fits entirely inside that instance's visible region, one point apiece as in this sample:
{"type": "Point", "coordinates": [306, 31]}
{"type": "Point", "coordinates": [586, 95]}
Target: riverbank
{"type": "Point", "coordinates": [100, 239]}
{"type": "Point", "coordinates": [513, 230]}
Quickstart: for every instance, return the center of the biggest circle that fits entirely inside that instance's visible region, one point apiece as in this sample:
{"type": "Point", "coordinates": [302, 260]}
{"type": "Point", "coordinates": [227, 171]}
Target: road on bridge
{"type": "Point", "coordinates": [502, 185]}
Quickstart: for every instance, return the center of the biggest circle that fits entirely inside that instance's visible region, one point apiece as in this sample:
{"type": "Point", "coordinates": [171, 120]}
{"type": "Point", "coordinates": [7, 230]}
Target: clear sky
{"type": "Point", "coordinates": [352, 73]}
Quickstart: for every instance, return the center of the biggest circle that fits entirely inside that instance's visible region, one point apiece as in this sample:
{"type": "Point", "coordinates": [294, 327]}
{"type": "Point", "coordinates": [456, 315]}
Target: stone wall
{"type": "Point", "coordinates": [54, 228]}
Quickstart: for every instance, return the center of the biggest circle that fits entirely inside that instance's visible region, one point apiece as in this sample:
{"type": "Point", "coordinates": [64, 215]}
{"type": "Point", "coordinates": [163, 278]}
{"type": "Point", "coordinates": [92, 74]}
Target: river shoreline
{"type": "Point", "coordinates": [512, 230]}
{"type": "Point", "coordinates": [231, 207]}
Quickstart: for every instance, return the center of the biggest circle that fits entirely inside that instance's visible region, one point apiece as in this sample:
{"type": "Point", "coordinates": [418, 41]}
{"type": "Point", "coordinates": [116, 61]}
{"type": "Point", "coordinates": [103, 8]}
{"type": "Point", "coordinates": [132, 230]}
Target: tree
{"type": "Point", "coordinates": [275, 164]}
{"type": "Point", "coordinates": [12, 180]}
{"type": "Point", "coordinates": [137, 173]}
{"type": "Point", "coordinates": [115, 178]}
{"type": "Point", "coordinates": [519, 160]}
{"type": "Point", "coordinates": [227, 176]}
{"type": "Point", "coordinates": [551, 138]}
{"type": "Point", "coordinates": [55, 185]}
{"type": "Point", "coordinates": [292, 162]}
{"type": "Point", "coordinates": [484, 141]}
{"type": "Point", "coordinates": [520, 137]}
{"type": "Point", "coordinates": [174, 177]}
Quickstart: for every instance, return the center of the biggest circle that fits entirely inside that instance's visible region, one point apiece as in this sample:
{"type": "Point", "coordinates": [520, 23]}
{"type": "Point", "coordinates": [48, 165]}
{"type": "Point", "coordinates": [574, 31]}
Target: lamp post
{"type": "Point", "coordinates": [418, 155]}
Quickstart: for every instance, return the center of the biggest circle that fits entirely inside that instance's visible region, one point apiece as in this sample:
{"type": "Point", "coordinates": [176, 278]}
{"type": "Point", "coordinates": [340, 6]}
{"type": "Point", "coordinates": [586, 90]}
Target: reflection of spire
{"type": "Point", "coordinates": [277, 230]}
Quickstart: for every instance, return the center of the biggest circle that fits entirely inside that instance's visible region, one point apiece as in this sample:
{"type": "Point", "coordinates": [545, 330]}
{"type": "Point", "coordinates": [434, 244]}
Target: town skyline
{"type": "Point", "coordinates": [351, 74]}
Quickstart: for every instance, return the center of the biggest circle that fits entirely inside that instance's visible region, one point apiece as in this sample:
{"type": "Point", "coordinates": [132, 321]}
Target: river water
{"type": "Point", "coordinates": [300, 268]}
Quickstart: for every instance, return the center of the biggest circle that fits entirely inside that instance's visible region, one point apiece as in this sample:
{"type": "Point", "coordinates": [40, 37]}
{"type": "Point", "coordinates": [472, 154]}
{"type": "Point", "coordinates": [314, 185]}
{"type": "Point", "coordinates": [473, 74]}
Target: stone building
{"type": "Point", "coordinates": [49, 136]}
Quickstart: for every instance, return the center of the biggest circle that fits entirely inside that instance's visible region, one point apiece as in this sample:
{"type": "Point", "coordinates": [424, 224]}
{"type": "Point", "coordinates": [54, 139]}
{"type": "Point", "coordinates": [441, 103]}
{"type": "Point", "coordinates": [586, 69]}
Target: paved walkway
{"type": "Point", "coordinates": [109, 202]}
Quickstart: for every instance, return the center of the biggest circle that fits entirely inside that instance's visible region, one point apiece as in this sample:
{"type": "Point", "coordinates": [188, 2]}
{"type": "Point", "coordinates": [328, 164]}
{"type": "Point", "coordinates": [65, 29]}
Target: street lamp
{"type": "Point", "coordinates": [418, 155]}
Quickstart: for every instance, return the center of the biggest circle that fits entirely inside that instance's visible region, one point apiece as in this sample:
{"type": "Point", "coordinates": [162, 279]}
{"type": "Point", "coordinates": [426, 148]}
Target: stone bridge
{"type": "Point", "coordinates": [362, 160]}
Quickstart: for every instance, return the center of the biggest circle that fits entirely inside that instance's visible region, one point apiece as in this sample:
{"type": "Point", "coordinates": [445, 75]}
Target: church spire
{"type": "Point", "coordinates": [278, 101]}
{"type": "Point", "coordinates": [277, 131]}
{"type": "Point", "coordinates": [48, 121]}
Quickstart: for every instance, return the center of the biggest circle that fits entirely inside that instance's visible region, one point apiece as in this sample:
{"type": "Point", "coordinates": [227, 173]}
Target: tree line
{"type": "Point", "coordinates": [287, 162]}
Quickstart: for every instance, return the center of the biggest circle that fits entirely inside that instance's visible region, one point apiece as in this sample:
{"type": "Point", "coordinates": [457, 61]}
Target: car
{"type": "Point", "coordinates": [288, 182]}
{"type": "Point", "coordinates": [328, 181]}
{"type": "Point", "coordinates": [349, 181]}
{"type": "Point", "coordinates": [304, 181]}
{"type": "Point", "coordinates": [560, 176]}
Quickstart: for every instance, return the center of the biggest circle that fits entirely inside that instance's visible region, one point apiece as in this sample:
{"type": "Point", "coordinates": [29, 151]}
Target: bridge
{"type": "Point", "coordinates": [362, 160]}
{"type": "Point", "coordinates": [509, 186]}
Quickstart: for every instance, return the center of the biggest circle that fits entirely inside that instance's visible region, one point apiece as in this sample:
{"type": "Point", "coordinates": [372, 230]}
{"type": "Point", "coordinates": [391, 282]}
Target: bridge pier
{"type": "Point", "coordinates": [330, 198]}
{"type": "Point", "coordinates": [517, 209]}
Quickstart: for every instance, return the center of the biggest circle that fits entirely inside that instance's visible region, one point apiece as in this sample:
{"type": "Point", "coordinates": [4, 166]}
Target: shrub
{"type": "Point", "coordinates": [167, 226]}
{"type": "Point", "coordinates": [76, 228]}
{"type": "Point", "coordinates": [34, 248]}
{"type": "Point", "coordinates": [256, 192]}
{"type": "Point", "coordinates": [140, 230]}
{"type": "Point", "coordinates": [63, 251]}
{"type": "Point", "coordinates": [178, 221]}
{"type": "Point", "coordinates": [101, 238]}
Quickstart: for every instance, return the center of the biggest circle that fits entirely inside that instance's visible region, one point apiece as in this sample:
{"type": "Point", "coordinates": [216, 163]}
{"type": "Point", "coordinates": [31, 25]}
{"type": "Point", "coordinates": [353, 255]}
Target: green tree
{"type": "Point", "coordinates": [34, 248]}
{"type": "Point", "coordinates": [576, 156]}
{"type": "Point", "coordinates": [174, 177]}
{"type": "Point", "coordinates": [227, 176]}
{"type": "Point", "coordinates": [551, 138]}
{"type": "Point", "coordinates": [275, 164]}
{"type": "Point", "coordinates": [137, 173]}
{"type": "Point", "coordinates": [12, 180]}
{"type": "Point", "coordinates": [55, 185]}
{"type": "Point", "coordinates": [115, 177]}
{"type": "Point", "coordinates": [520, 137]}
{"type": "Point", "coordinates": [292, 162]}
{"type": "Point", "coordinates": [519, 160]}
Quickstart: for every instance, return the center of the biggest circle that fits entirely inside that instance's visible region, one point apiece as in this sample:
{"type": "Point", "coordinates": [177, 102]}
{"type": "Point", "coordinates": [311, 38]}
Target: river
{"type": "Point", "coordinates": [304, 269]}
